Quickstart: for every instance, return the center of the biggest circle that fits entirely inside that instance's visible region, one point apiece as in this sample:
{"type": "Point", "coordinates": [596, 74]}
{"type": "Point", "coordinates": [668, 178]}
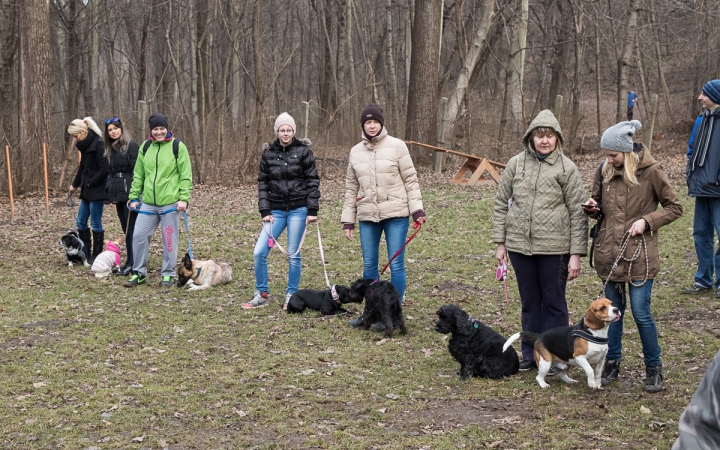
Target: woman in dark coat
{"type": "Point", "coordinates": [122, 152]}
{"type": "Point", "coordinates": [90, 179]}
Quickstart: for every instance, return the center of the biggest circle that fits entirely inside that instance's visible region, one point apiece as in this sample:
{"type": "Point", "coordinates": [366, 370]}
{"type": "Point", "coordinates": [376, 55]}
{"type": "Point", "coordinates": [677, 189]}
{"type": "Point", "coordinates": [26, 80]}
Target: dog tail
{"type": "Point", "coordinates": [510, 340]}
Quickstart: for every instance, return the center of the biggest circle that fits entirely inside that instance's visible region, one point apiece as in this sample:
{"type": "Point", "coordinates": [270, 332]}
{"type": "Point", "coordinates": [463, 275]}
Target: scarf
{"type": "Point", "coordinates": [703, 138]}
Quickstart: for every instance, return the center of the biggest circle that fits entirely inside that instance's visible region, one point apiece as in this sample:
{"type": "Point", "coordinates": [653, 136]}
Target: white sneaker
{"type": "Point", "coordinates": [258, 301]}
{"type": "Point", "coordinates": [287, 300]}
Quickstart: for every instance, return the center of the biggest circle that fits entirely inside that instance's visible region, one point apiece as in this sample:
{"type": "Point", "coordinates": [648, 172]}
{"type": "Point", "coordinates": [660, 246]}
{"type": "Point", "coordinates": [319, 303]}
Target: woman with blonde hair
{"type": "Point", "coordinates": [90, 179]}
{"type": "Point", "coordinates": [627, 191]}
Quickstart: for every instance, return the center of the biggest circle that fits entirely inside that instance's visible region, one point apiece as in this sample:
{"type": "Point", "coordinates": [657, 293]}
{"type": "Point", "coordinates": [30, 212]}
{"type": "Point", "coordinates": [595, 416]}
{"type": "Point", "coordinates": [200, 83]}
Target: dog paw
{"type": "Point", "coordinates": [542, 383]}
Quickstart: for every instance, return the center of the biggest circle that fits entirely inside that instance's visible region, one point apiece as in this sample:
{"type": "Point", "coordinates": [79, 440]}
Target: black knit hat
{"type": "Point", "coordinates": [374, 112]}
{"type": "Point", "coordinates": [157, 120]}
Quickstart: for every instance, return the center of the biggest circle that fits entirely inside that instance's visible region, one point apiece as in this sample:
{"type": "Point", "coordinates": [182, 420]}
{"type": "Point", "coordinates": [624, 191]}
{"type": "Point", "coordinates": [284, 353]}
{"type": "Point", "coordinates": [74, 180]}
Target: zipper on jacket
{"type": "Point", "coordinates": [157, 169]}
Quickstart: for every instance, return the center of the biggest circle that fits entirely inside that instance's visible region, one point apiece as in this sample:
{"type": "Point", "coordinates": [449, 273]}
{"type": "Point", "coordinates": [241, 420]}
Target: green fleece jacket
{"type": "Point", "coordinates": [159, 177]}
{"type": "Point", "coordinates": [537, 204]}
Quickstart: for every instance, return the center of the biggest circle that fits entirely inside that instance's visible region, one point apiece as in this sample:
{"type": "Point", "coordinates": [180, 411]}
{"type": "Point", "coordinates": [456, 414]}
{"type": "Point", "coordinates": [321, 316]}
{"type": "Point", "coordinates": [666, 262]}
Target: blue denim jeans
{"type": "Point", "coordinates": [93, 211]}
{"type": "Point", "coordinates": [706, 222]}
{"type": "Point", "coordinates": [294, 221]}
{"type": "Point", "coordinates": [395, 230]}
{"type": "Point", "coordinates": [640, 307]}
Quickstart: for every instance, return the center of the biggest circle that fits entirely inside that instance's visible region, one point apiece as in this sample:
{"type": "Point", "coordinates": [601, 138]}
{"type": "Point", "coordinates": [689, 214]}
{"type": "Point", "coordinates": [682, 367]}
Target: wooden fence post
{"type": "Point", "coordinates": [651, 125]}
{"type": "Point", "coordinates": [10, 189]}
{"type": "Point", "coordinates": [558, 107]}
{"type": "Point", "coordinates": [47, 193]}
{"type": "Point", "coordinates": [441, 135]}
{"type": "Point", "coordinates": [306, 118]}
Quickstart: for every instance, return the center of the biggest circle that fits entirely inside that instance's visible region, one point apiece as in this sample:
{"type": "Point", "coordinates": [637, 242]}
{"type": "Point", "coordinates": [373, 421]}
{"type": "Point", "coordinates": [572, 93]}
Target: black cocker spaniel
{"type": "Point", "coordinates": [382, 304]}
{"type": "Point", "coordinates": [477, 347]}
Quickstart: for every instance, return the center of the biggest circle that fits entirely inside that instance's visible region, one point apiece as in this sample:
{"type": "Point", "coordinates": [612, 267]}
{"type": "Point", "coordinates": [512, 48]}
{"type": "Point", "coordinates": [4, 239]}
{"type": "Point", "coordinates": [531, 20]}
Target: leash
{"type": "Point", "coordinates": [501, 275]}
{"type": "Point", "coordinates": [187, 231]}
{"type": "Point", "coordinates": [71, 203]}
{"type": "Point", "coordinates": [272, 241]}
{"type": "Point", "coordinates": [623, 245]}
{"type": "Point", "coordinates": [333, 291]}
{"type": "Point", "coordinates": [417, 226]}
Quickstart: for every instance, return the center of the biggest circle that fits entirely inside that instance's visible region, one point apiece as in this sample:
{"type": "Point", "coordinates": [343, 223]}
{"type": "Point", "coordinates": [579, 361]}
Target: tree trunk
{"type": "Point", "coordinates": [518, 69]}
{"type": "Point", "coordinates": [472, 57]}
{"type": "Point", "coordinates": [575, 117]}
{"type": "Point", "coordinates": [392, 89]}
{"type": "Point", "coordinates": [423, 98]}
{"type": "Point", "coordinates": [624, 62]}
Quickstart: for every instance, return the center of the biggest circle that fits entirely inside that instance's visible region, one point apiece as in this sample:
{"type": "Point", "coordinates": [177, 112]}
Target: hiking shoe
{"type": "Point", "coordinates": [717, 293]}
{"type": "Point", "coordinates": [124, 270]}
{"type": "Point", "coordinates": [610, 371]}
{"type": "Point", "coordinates": [258, 301]}
{"type": "Point", "coordinates": [653, 378]}
{"type": "Point", "coordinates": [287, 300]}
{"type": "Point", "coordinates": [526, 365]}
{"type": "Point", "coordinates": [697, 289]}
{"type": "Point", "coordinates": [135, 280]}
{"type": "Point", "coordinates": [553, 371]}
{"type": "Point", "coordinates": [357, 322]}
{"type": "Point", "coordinates": [166, 282]}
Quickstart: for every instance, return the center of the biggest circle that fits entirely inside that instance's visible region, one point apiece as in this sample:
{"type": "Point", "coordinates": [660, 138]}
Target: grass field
{"type": "Point", "coordinates": [88, 364]}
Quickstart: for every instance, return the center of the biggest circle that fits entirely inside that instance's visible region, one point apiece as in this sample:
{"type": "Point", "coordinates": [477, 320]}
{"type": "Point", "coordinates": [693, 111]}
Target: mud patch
{"type": "Point", "coordinates": [44, 330]}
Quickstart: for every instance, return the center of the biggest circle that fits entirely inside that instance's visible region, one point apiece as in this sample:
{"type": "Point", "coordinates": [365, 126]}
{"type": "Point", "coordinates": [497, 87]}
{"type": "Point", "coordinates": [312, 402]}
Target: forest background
{"type": "Point", "coordinates": [221, 70]}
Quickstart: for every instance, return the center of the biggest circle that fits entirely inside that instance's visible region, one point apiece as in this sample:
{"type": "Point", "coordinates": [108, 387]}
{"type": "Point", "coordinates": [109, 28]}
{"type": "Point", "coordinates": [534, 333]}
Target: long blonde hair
{"type": "Point", "coordinates": [632, 161]}
{"type": "Point", "coordinates": [78, 126]}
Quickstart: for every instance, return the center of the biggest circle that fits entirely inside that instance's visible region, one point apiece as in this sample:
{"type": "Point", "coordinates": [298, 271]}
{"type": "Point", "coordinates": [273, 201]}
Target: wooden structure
{"type": "Point", "coordinates": [482, 170]}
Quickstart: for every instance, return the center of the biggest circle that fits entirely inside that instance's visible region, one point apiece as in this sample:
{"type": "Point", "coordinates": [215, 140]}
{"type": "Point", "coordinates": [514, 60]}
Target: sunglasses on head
{"type": "Point", "coordinates": [114, 119]}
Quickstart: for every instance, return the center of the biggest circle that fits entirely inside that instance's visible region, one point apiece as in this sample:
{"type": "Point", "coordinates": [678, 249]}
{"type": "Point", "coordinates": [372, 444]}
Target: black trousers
{"type": "Point", "coordinates": [122, 213]}
{"type": "Point", "coordinates": [541, 281]}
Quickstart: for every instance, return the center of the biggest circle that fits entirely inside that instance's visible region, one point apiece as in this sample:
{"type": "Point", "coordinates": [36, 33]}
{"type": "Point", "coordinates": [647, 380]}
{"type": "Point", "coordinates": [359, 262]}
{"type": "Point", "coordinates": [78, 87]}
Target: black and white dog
{"type": "Point", "coordinates": [477, 347]}
{"type": "Point", "coordinates": [382, 304]}
{"type": "Point", "coordinates": [73, 249]}
{"type": "Point", "coordinates": [329, 302]}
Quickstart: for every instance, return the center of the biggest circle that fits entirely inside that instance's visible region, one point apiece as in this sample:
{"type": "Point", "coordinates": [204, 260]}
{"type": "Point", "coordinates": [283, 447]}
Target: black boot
{"type": "Point", "coordinates": [610, 371]}
{"type": "Point", "coordinates": [98, 243]}
{"type": "Point", "coordinates": [357, 322]}
{"type": "Point", "coordinates": [653, 378]}
{"type": "Point", "coordinates": [87, 243]}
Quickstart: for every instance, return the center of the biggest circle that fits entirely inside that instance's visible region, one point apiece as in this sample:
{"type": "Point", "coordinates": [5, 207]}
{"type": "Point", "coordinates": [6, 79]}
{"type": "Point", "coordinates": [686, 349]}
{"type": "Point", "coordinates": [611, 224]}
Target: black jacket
{"type": "Point", "coordinates": [288, 178]}
{"type": "Point", "coordinates": [93, 169]}
{"type": "Point", "coordinates": [121, 173]}
{"type": "Point", "coordinates": [704, 181]}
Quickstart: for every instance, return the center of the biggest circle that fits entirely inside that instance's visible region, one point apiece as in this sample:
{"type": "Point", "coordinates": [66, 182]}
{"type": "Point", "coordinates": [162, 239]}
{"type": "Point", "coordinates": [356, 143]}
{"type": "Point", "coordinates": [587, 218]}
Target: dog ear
{"type": "Point", "coordinates": [187, 262]}
{"type": "Point", "coordinates": [462, 320]}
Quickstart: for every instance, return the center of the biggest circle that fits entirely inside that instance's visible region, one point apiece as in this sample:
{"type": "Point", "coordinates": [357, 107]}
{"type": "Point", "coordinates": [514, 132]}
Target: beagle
{"type": "Point", "coordinates": [584, 345]}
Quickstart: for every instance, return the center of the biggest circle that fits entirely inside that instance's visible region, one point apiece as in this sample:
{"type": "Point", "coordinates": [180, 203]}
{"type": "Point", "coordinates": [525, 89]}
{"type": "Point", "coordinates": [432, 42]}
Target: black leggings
{"type": "Point", "coordinates": [122, 213]}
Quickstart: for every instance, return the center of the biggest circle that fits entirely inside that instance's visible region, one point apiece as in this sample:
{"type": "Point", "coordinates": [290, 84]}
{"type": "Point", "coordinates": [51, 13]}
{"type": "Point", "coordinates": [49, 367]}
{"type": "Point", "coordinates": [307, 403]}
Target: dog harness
{"type": "Point", "coordinates": [582, 331]}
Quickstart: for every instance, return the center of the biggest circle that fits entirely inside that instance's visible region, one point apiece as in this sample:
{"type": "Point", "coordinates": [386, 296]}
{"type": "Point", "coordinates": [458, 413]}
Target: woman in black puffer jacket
{"type": "Point", "coordinates": [288, 197]}
{"type": "Point", "coordinates": [90, 179]}
{"type": "Point", "coordinates": [122, 152]}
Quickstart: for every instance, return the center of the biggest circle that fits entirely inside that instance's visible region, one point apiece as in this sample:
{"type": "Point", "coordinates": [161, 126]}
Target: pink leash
{"type": "Point", "coordinates": [501, 275]}
{"type": "Point", "coordinates": [417, 226]}
{"type": "Point", "coordinates": [272, 241]}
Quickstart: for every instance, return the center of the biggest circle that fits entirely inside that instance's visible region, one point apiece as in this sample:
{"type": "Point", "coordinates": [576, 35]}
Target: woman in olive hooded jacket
{"type": "Point", "coordinates": [539, 224]}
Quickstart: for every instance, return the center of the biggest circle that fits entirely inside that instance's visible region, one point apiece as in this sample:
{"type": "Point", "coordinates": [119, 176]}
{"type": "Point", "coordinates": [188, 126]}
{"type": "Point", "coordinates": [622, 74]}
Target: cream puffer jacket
{"type": "Point", "coordinates": [381, 182]}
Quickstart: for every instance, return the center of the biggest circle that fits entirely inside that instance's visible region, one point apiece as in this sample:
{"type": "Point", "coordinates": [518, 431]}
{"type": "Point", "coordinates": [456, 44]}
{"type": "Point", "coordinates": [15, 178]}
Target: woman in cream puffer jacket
{"type": "Point", "coordinates": [381, 192]}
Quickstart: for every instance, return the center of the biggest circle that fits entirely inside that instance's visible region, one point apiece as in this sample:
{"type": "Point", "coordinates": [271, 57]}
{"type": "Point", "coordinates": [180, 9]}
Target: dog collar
{"type": "Point", "coordinates": [581, 330]}
{"type": "Point", "coordinates": [335, 295]}
{"type": "Point", "coordinates": [198, 272]}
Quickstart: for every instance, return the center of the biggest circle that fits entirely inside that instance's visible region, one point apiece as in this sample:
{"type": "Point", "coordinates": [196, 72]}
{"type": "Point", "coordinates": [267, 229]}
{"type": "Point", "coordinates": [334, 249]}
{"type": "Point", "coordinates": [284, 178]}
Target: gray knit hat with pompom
{"type": "Point", "coordinates": [619, 137]}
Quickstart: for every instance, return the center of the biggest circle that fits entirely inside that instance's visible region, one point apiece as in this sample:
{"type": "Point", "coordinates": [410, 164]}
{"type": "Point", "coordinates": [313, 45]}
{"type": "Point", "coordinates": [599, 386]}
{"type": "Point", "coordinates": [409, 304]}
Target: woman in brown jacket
{"type": "Point", "coordinates": [627, 190]}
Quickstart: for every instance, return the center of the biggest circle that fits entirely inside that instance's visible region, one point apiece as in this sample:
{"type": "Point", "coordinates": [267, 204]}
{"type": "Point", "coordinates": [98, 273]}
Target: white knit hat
{"type": "Point", "coordinates": [619, 137]}
{"type": "Point", "coordinates": [285, 119]}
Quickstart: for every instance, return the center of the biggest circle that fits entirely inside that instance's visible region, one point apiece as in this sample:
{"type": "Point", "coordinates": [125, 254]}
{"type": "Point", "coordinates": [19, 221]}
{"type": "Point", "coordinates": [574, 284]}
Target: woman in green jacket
{"type": "Point", "coordinates": [538, 222]}
{"type": "Point", "coordinates": [164, 179]}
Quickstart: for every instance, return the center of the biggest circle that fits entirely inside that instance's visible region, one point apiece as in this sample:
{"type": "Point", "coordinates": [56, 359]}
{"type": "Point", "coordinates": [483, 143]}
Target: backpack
{"type": "Point", "coordinates": [175, 144]}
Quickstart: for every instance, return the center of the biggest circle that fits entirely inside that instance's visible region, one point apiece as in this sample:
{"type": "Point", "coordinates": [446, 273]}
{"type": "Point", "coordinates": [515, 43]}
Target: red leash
{"type": "Point", "coordinates": [417, 226]}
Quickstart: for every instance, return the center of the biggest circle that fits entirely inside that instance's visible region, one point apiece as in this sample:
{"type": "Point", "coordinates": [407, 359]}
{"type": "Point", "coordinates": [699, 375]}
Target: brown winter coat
{"type": "Point", "coordinates": [545, 217]}
{"type": "Point", "coordinates": [623, 205]}
{"type": "Point", "coordinates": [381, 182]}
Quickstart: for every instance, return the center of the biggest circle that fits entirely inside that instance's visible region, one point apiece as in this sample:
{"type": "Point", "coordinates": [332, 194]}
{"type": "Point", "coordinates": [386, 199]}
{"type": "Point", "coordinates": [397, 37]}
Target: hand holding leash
{"type": "Point", "coordinates": [638, 227]}
{"type": "Point", "coordinates": [182, 206]}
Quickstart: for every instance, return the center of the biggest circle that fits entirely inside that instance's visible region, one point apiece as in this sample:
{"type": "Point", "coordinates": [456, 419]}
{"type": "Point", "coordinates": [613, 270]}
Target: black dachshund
{"type": "Point", "coordinates": [477, 347]}
{"type": "Point", "coordinates": [322, 301]}
{"type": "Point", "coordinates": [382, 304]}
